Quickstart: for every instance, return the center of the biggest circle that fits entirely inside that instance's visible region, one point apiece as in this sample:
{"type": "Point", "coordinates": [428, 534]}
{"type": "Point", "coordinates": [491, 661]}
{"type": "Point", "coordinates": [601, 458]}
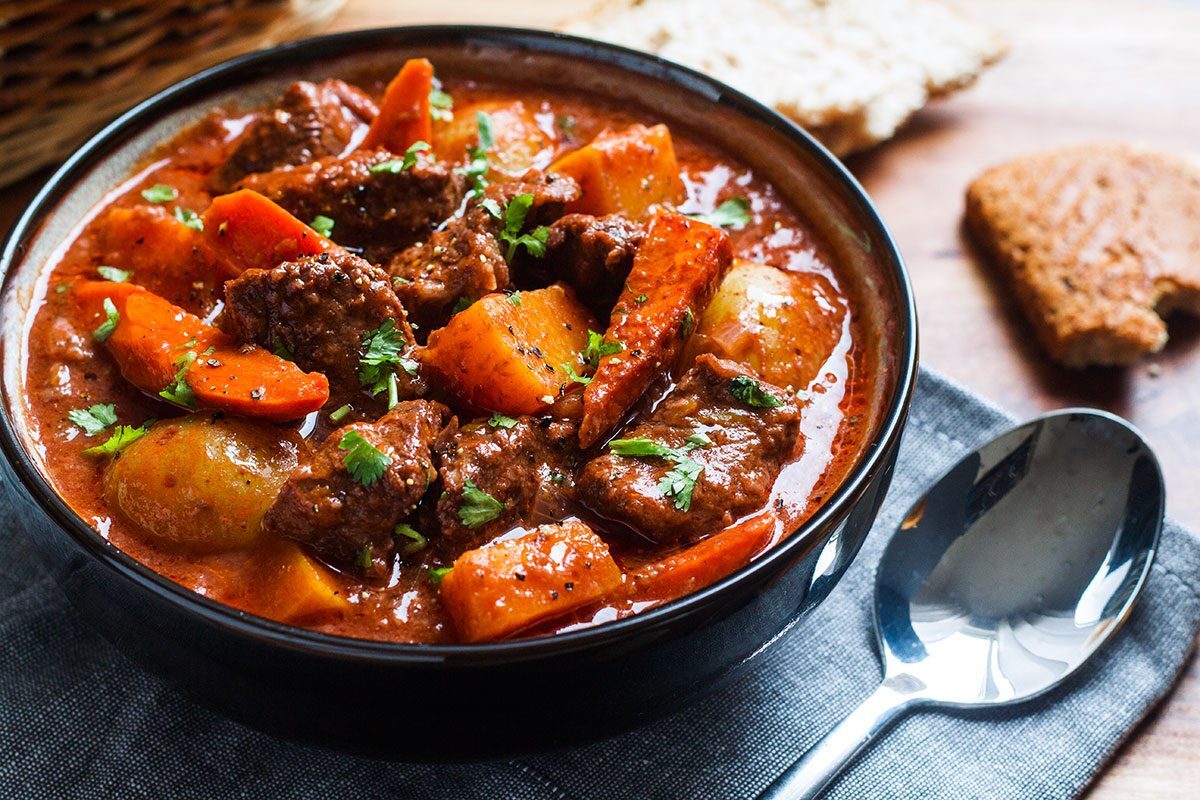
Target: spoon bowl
{"type": "Point", "coordinates": [1005, 577]}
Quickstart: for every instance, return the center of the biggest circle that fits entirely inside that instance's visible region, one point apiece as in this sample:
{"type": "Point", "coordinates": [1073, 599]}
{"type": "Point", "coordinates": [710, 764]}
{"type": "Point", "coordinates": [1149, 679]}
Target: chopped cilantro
{"type": "Point", "coordinates": [159, 193]}
{"type": "Point", "coordinates": [398, 281]}
{"type": "Point", "coordinates": [189, 218]}
{"type": "Point", "coordinates": [565, 124]}
{"type": "Point", "coordinates": [514, 219]}
{"type": "Point", "coordinates": [395, 165]}
{"type": "Point", "coordinates": [339, 413]}
{"type": "Point", "coordinates": [121, 437]}
{"type": "Point", "coordinates": [680, 481]}
{"type": "Point", "coordinates": [498, 420]}
{"type": "Point", "coordinates": [462, 304]}
{"type": "Point", "coordinates": [416, 541]}
{"type": "Point", "coordinates": [477, 506]}
{"type": "Point", "coordinates": [280, 348]}
{"type": "Point", "coordinates": [597, 348]}
{"type": "Point", "coordinates": [574, 376]}
{"type": "Point", "coordinates": [641, 298]}
{"type": "Point", "coordinates": [364, 462]}
{"type": "Point", "coordinates": [733, 213]}
{"type": "Point", "coordinates": [699, 439]}
{"type": "Point", "coordinates": [112, 317]}
{"type": "Point", "coordinates": [515, 298]}
{"type": "Point", "coordinates": [477, 160]}
{"type": "Point", "coordinates": [483, 122]}
{"type": "Point", "coordinates": [179, 391]}
{"type": "Point", "coordinates": [383, 351]}
{"type": "Point", "coordinates": [393, 391]}
{"type": "Point", "coordinates": [364, 557]}
{"type": "Point", "coordinates": [750, 392]}
{"type": "Point", "coordinates": [640, 447]}
{"type": "Point", "coordinates": [688, 324]}
{"type": "Point", "coordinates": [441, 105]}
{"type": "Point", "coordinates": [95, 419]}
{"type": "Point", "coordinates": [436, 575]}
{"type": "Point", "coordinates": [322, 225]}
{"type": "Point", "coordinates": [113, 274]}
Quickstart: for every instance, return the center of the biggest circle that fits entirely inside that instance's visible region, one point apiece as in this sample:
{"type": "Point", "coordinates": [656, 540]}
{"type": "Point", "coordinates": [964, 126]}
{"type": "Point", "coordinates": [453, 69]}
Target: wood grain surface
{"type": "Point", "coordinates": [1079, 70]}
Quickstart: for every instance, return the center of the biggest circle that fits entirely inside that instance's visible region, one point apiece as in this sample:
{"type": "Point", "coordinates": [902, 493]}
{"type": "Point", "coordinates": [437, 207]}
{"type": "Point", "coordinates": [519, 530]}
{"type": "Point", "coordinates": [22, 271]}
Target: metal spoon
{"type": "Point", "coordinates": [1010, 572]}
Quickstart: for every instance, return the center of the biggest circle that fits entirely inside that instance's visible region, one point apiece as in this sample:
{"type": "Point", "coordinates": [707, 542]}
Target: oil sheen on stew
{"type": "Point", "coordinates": [444, 362]}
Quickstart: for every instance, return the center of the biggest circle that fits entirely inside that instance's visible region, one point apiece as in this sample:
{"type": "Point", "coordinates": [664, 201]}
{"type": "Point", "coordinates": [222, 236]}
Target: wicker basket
{"type": "Point", "coordinates": [69, 66]}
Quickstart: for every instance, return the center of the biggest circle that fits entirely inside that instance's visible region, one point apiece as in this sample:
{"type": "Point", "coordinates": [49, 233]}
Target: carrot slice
{"type": "Point", "coordinates": [675, 272]}
{"type": "Point", "coordinates": [245, 230]}
{"type": "Point", "coordinates": [152, 340]}
{"type": "Point", "coordinates": [404, 113]}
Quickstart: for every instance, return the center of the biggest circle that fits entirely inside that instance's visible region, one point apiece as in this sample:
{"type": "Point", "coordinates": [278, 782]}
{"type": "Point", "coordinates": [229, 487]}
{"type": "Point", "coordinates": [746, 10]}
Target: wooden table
{"type": "Point", "coordinates": [1079, 70]}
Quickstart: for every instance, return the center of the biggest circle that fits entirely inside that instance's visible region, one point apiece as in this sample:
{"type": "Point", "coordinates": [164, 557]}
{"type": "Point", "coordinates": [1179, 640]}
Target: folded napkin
{"type": "Point", "coordinates": [77, 719]}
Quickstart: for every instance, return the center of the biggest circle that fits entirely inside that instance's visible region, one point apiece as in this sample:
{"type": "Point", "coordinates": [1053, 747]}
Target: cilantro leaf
{"type": "Point", "coordinates": [513, 217]}
{"type": "Point", "coordinates": [394, 165]}
{"type": "Point", "coordinates": [383, 351]}
{"type": "Point", "coordinates": [597, 348]}
{"type": "Point", "coordinates": [640, 447]}
{"type": "Point", "coordinates": [477, 160]}
{"type": "Point", "coordinates": [179, 391]}
{"type": "Point", "coordinates": [515, 298]}
{"type": "Point", "coordinates": [483, 121]}
{"type": "Point", "coordinates": [574, 376]}
{"type": "Point", "coordinates": [477, 506]}
{"type": "Point", "coordinates": [441, 105]}
{"type": "Point", "coordinates": [113, 274]}
{"type": "Point", "coordinates": [322, 225]}
{"type": "Point", "coordinates": [436, 575]}
{"type": "Point", "coordinates": [365, 463]}
{"type": "Point", "coordinates": [680, 481]}
{"type": "Point", "coordinates": [688, 324]}
{"type": "Point", "coordinates": [363, 561]}
{"type": "Point", "coordinates": [416, 540]}
{"type": "Point", "coordinates": [339, 413]}
{"type": "Point", "coordinates": [750, 392]}
{"type": "Point", "coordinates": [189, 218]}
{"type": "Point", "coordinates": [122, 437]}
{"type": "Point", "coordinates": [566, 125]}
{"type": "Point", "coordinates": [699, 439]}
{"type": "Point", "coordinates": [499, 420]}
{"type": "Point", "coordinates": [733, 213]}
{"type": "Point", "coordinates": [159, 193]}
{"type": "Point", "coordinates": [112, 317]}
{"type": "Point", "coordinates": [95, 419]}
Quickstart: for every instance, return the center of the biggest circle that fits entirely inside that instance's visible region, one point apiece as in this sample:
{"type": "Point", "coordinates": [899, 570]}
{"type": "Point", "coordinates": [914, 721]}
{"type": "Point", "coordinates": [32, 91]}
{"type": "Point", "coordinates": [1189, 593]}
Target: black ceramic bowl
{"type": "Point", "coordinates": [467, 700]}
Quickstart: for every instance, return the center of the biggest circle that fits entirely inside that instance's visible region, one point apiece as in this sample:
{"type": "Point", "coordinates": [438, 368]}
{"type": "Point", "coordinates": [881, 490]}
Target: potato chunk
{"type": "Point", "coordinates": [200, 483]}
{"type": "Point", "coordinates": [624, 172]}
{"type": "Point", "coordinates": [507, 352]}
{"type": "Point", "coordinates": [509, 585]}
{"type": "Point", "coordinates": [782, 325]}
{"type": "Point", "coordinates": [520, 143]}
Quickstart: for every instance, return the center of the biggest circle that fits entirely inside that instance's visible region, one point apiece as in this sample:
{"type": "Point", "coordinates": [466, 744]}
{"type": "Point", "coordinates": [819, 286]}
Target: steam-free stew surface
{"type": "Point", "coordinates": [390, 265]}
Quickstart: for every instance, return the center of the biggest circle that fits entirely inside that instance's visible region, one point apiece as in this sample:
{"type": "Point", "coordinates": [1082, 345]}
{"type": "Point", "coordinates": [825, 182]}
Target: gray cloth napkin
{"type": "Point", "coordinates": [77, 719]}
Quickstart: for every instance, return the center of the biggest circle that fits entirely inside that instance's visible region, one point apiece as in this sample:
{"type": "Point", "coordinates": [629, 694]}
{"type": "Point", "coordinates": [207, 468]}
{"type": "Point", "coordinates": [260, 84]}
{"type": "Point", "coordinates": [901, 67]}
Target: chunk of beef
{"type": "Point", "coordinates": [594, 255]}
{"type": "Point", "coordinates": [318, 310]}
{"type": "Point", "coordinates": [310, 121]}
{"type": "Point", "coordinates": [526, 467]}
{"type": "Point", "coordinates": [749, 442]}
{"type": "Point", "coordinates": [348, 523]}
{"type": "Point", "coordinates": [382, 209]}
{"type": "Point", "coordinates": [464, 259]}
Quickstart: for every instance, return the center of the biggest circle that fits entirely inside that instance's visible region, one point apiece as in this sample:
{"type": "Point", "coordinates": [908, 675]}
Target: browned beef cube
{"type": "Point", "coordinates": [594, 255]}
{"type": "Point", "coordinates": [464, 260]}
{"type": "Point", "coordinates": [324, 505]}
{"type": "Point", "coordinates": [381, 209]}
{"type": "Point", "coordinates": [311, 121]}
{"type": "Point", "coordinates": [525, 468]}
{"type": "Point", "coordinates": [317, 311]}
{"type": "Point", "coordinates": [744, 430]}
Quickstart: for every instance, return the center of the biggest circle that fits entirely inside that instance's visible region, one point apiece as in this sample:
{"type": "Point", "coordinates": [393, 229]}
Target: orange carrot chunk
{"type": "Point", "coordinates": [245, 230]}
{"type": "Point", "coordinates": [624, 172]}
{"type": "Point", "coordinates": [509, 585]}
{"type": "Point", "coordinates": [167, 352]}
{"type": "Point", "coordinates": [404, 113]}
{"type": "Point", "coordinates": [675, 271]}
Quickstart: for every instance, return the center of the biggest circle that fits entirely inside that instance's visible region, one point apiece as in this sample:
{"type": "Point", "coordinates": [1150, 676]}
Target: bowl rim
{"type": "Point", "coordinates": [248, 67]}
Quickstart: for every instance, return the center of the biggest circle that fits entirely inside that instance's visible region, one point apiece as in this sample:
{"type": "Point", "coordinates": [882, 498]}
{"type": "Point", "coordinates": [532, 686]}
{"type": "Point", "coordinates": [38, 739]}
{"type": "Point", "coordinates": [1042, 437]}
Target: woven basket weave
{"type": "Point", "coordinates": [69, 66]}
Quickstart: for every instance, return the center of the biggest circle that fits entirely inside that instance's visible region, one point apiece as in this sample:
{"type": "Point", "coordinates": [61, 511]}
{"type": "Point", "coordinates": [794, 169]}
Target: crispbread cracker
{"type": "Point", "coordinates": [1097, 241]}
{"type": "Point", "coordinates": [850, 71]}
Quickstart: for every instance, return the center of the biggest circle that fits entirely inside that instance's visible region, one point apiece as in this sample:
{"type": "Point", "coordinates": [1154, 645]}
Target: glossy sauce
{"type": "Point", "coordinates": [66, 371]}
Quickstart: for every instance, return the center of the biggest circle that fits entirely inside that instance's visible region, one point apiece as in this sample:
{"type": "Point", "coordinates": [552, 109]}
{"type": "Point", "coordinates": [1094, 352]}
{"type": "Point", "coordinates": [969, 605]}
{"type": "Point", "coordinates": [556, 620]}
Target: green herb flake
{"type": "Point", "coordinates": [393, 391]}
{"type": "Point", "coordinates": [513, 218]}
{"type": "Point", "coordinates": [641, 298]}
{"type": "Point", "coordinates": [597, 348]}
{"type": "Point", "coordinates": [122, 436]}
{"type": "Point", "coordinates": [688, 324]}
{"type": "Point", "coordinates": [499, 420]}
{"type": "Point", "coordinates": [339, 413]}
{"type": "Point", "coordinates": [398, 281]}
{"type": "Point", "coordinates": [574, 376]}
{"type": "Point", "coordinates": [383, 351]}
{"type": "Point", "coordinates": [734, 213]}
{"type": "Point", "coordinates": [436, 575]}
{"type": "Point", "coordinates": [280, 348]}
{"type": "Point", "coordinates": [112, 317]}
{"type": "Point", "coordinates": [113, 274]}
{"type": "Point", "coordinates": [640, 447]}
{"type": "Point", "coordinates": [680, 481]}
{"type": "Point", "coordinates": [483, 121]}
{"type": "Point", "coordinates": [365, 463]}
{"type": "Point", "coordinates": [477, 506]}
{"type": "Point", "coordinates": [179, 391]}
{"type": "Point", "coordinates": [515, 298]}
{"type": "Point", "coordinates": [416, 541]}
{"type": "Point", "coordinates": [441, 105]}
{"type": "Point", "coordinates": [566, 125]}
{"type": "Point", "coordinates": [750, 392]}
{"type": "Point", "coordinates": [477, 160]}
{"type": "Point", "coordinates": [394, 165]}
{"type": "Point", "coordinates": [159, 193]}
{"type": "Point", "coordinates": [462, 304]}
{"type": "Point", "coordinates": [699, 439]}
{"type": "Point", "coordinates": [189, 218]}
{"type": "Point", "coordinates": [322, 225]}
{"type": "Point", "coordinates": [95, 419]}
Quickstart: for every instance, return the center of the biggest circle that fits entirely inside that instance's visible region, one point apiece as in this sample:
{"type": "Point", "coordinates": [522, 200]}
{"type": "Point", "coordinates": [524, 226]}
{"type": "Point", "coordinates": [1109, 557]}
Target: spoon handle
{"type": "Point", "coordinates": [817, 768]}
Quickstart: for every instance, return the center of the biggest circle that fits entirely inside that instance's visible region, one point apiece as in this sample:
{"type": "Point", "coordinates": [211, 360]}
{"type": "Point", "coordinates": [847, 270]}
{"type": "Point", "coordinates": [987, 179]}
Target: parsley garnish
{"type": "Point", "coordinates": [566, 125]}
{"type": "Point", "coordinates": [339, 413]}
{"type": "Point", "coordinates": [189, 218]}
{"type": "Point", "coordinates": [122, 437]}
{"type": "Point", "coordinates": [597, 348]}
{"type": "Point", "coordinates": [477, 160]}
{"type": "Point", "coordinates": [688, 324]}
{"type": "Point", "coordinates": [477, 506]}
{"type": "Point", "coordinates": [399, 281]}
{"type": "Point", "coordinates": [383, 351]}
{"type": "Point", "coordinates": [515, 298]}
{"type": "Point", "coordinates": [416, 543]}
{"type": "Point", "coordinates": [322, 225]}
{"type": "Point", "coordinates": [498, 420]}
{"type": "Point", "coordinates": [733, 213]}
{"type": "Point", "coordinates": [393, 391]}
{"type": "Point", "coordinates": [364, 462]}
{"type": "Point", "coordinates": [436, 575]}
{"type": "Point", "coordinates": [95, 419]}
{"type": "Point", "coordinates": [159, 193]}
{"type": "Point", "coordinates": [513, 218]}
{"type": "Point", "coordinates": [750, 392]}
{"type": "Point", "coordinates": [462, 304]}
{"type": "Point", "coordinates": [441, 105]}
{"type": "Point", "coordinates": [641, 298]}
{"type": "Point", "coordinates": [113, 274]}
{"type": "Point", "coordinates": [178, 391]}
{"type": "Point", "coordinates": [109, 325]}
{"type": "Point", "coordinates": [574, 376]}
{"type": "Point", "coordinates": [680, 481]}
{"type": "Point", "coordinates": [364, 557]}
{"type": "Point", "coordinates": [279, 347]}
{"type": "Point", "coordinates": [395, 165]}
{"type": "Point", "coordinates": [699, 439]}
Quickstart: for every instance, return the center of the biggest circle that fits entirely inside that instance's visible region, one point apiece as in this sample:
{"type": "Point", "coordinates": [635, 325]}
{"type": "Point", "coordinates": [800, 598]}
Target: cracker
{"type": "Point", "coordinates": [850, 71]}
{"type": "Point", "coordinates": [1097, 241]}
